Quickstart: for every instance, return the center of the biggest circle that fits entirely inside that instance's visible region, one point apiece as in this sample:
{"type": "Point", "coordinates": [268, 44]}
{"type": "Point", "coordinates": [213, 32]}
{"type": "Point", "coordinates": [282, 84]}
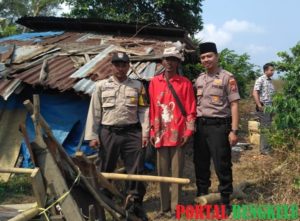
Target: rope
{"type": "Point", "coordinates": [61, 198]}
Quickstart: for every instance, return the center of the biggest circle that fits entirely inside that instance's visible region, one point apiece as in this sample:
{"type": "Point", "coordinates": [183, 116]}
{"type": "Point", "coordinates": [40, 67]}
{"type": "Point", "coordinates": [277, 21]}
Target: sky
{"type": "Point", "coordinates": [260, 28]}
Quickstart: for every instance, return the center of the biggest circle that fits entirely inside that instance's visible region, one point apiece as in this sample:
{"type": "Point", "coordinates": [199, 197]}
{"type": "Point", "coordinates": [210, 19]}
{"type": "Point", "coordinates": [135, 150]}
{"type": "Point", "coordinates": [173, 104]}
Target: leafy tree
{"type": "Point", "coordinates": [6, 29]}
{"type": "Point", "coordinates": [244, 71]}
{"type": "Point", "coordinates": [286, 104]}
{"type": "Point", "coordinates": [10, 10]}
{"type": "Point", "coordinates": [186, 14]}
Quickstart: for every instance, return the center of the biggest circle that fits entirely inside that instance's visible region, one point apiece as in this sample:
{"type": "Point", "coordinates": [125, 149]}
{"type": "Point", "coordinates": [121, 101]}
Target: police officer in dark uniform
{"type": "Point", "coordinates": [216, 125]}
{"type": "Point", "coordinates": [118, 124]}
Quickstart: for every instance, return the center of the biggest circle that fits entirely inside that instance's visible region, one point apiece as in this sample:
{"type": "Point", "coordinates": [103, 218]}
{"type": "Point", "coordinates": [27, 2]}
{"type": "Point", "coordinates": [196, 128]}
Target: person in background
{"type": "Point", "coordinates": [216, 124]}
{"type": "Point", "coordinates": [172, 117]}
{"type": "Point", "coordinates": [118, 124]}
{"type": "Point", "coordinates": [262, 93]}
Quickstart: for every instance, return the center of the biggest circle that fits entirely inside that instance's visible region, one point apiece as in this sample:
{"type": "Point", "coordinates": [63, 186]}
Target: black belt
{"type": "Point", "coordinates": [214, 120]}
{"type": "Point", "coordinates": [122, 127]}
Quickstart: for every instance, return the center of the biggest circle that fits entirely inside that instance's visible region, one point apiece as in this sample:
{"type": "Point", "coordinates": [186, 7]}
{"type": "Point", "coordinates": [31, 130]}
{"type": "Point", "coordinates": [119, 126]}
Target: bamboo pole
{"type": "Point", "coordinates": [148, 178]}
{"type": "Point", "coordinates": [15, 170]}
{"type": "Point", "coordinates": [26, 215]}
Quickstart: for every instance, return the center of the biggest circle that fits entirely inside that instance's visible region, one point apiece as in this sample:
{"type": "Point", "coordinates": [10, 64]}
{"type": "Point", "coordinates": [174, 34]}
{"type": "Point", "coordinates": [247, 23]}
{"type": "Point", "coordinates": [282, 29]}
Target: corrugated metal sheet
{"type": "Point", "coordinates": [27, 52]}
{"type": "Point", "coordinates": [7, 87]}
{"type": "Point", "coordinates": [6, 52]}
{"type": "Point", "coordinates": [86, 86]}
{"type": "Point", "coordinates": [58, 77]}
{"type": "Point", "coordinates": [89, 66]}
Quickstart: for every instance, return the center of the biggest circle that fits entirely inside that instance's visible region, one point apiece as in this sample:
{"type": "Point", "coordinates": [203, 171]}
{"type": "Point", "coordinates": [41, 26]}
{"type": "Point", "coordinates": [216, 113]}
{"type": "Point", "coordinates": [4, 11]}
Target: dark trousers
{"type": "Point", "coordinates": [211, 141]}
{"type": "Point", "coordinates": [265, 120]}
{"type": "Point", "coordinates": [126, 143]}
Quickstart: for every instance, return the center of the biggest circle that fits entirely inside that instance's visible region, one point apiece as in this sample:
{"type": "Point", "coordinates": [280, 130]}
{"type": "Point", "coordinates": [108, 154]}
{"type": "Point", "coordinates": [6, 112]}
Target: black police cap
{"type": "Point", "coordinates": [207, 47]}
{"type": "Point", "coordinates": [119, 57]}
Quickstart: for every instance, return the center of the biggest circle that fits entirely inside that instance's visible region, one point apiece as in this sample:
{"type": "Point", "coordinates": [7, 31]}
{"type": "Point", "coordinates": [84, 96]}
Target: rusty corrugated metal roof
{"type": "Point", "coordinates": [72, 60]}
{"type": "Point", "coordinates": [58, 75]}
{"type": "Point", "coordinates": [7, 87]}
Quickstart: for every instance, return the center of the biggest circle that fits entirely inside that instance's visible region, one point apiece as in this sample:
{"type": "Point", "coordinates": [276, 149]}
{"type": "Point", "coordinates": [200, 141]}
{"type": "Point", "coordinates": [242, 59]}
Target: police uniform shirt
{"type": "Point", "coordinates": [215, 93]}
{"type": "Point", "coordinates": [266, 89]}
{"type": "Point", "coordinates": [117, 103]}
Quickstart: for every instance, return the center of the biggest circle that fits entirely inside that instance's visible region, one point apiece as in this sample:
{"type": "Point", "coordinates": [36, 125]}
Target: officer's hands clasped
{"type": "Point", "coordinates": [94, 144]}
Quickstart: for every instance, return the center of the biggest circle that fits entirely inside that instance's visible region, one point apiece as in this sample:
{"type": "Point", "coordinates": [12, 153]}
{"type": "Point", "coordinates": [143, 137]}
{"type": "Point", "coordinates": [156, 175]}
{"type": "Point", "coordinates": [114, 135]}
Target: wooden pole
{"type": "Point", "coordinates": [148, 178]}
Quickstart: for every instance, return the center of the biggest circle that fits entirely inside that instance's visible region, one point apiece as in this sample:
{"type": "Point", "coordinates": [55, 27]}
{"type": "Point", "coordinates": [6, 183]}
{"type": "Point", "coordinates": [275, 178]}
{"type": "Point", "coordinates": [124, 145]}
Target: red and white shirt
{"type": "Point", "coordinates": [167, 124]}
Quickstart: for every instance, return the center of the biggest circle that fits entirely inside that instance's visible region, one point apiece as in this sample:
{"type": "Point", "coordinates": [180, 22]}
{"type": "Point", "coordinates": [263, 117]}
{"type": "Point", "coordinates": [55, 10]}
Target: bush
{"type": "Point", "coordinates": [286, 104]}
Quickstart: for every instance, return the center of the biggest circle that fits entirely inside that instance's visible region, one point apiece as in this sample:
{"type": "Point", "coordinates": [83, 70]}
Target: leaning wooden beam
{"type": "Point", "coordinates": [51, 172]}
{"type": "Point", "coordinates": [148, 178]}
{"type": "Point", "coordinates": [107, 203]}
{"type": "Point", "coordinates": [26, 215]}
{"type": "Point", "coordinates": [38, 187]}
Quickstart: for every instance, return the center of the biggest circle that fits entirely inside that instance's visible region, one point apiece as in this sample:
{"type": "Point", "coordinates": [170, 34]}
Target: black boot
{"type": "Point", "coordinates": [225, 200]}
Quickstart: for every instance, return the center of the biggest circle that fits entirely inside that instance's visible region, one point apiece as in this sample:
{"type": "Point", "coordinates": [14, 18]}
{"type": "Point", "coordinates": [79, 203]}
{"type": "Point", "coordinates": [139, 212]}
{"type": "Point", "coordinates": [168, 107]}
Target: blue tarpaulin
{"type": "Point", "coordinates": [66, 116]}
{"type": "Point", "coordinates": [31, 36]}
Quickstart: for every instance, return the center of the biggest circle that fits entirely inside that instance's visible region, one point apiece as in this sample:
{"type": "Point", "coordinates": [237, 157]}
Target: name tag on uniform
{"type": "Point", "coordinates": [199, 92]}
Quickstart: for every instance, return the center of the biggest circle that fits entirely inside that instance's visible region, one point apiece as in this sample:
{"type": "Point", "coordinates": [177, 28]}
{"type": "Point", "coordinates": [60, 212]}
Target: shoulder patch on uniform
{"type": "Point", "coordinates": [232, 84]}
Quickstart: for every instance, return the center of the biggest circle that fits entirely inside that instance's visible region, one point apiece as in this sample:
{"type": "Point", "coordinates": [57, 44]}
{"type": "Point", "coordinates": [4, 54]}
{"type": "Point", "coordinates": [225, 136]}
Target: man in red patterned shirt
{"type": "Point", "coordinates": [172, 124]}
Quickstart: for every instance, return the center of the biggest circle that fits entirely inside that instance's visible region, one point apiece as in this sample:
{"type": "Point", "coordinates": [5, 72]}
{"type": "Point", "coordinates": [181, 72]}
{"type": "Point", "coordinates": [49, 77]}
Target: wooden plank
{"type": "Point", "coordinates": [10, 138]}
{"type": "Point", "coordinates": [89, 170]}
{"type": "Point", "coordinates": [38, 187]}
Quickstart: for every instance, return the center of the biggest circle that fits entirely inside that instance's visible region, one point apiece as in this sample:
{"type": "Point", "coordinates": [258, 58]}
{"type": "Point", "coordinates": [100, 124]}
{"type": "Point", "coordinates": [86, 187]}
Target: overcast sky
{"type": "Point", "coordinates": [260, 28]}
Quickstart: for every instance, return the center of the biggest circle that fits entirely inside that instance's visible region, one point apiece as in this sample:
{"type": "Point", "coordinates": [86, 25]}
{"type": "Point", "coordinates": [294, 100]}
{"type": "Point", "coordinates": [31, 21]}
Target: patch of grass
{"type": "Point", "coordinates": [19, 186]}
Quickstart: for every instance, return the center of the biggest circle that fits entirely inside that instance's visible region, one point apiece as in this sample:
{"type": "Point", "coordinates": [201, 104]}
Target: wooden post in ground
{"type": "Point", "coordinates": [52, 174]}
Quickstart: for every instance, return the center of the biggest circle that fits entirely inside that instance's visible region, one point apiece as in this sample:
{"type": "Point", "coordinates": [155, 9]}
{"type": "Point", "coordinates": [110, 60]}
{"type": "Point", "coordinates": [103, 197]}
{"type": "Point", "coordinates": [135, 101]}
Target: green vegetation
{"type": "Point", "coordinates": [11, 10]}
{"type": "Point", "coordinates": [17, 187]}
{"type": "Point", "coordinates": [286, 103]}
{"type": "Point", "coordinates": [178, 13]}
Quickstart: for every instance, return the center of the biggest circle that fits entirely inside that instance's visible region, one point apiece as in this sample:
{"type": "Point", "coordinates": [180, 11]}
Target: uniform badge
{"type": "Point", "coordinates": [232, 84]}
{"type": "Point", "coordinates": [218, 82]}
{"type": "Point", "coordinates": [143, 101]}
{"type": "Point", "coordinates": [215, 99]}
